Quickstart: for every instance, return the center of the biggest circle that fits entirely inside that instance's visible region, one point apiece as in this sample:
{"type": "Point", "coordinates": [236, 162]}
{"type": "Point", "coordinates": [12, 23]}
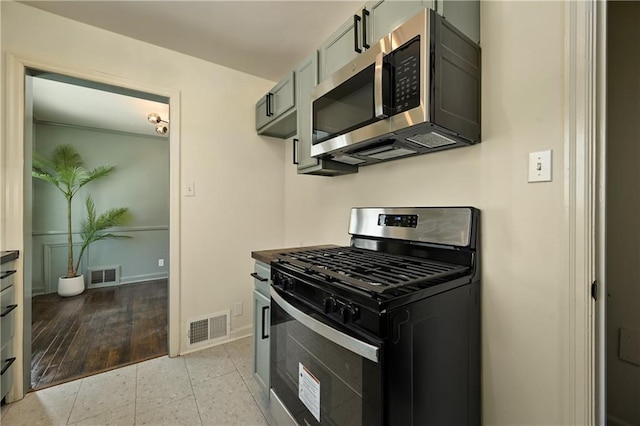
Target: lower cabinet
{"type": "Point", "coordinates": [261, 323]}
{"type": "Point", "coordinates": [7, 313]}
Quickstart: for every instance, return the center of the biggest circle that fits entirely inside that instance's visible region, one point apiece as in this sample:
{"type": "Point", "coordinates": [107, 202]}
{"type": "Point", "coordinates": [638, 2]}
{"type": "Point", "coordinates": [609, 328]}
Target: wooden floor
{"type": "Point", "coordinates": [96, 331]}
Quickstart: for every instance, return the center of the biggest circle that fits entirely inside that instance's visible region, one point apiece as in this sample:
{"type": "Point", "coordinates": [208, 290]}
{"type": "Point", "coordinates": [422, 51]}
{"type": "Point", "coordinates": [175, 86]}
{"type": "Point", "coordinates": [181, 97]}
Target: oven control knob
{"type": "Point", "coordinates": [278, 278]}
{"type": "Point", "coordinates": [287, 283]}
{"type": "Point", "coordinates": [330, 305]}
{"type": "Point", "coordinates": [349, 313]}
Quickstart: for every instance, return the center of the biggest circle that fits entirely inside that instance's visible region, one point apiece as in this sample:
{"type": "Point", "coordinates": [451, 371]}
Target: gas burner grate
{"type": "Point", "coordinates": [377, 272]}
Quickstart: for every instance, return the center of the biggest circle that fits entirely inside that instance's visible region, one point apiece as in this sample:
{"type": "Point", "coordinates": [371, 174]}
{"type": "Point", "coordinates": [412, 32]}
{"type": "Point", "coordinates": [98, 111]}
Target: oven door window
{"type": "Point", "coordinates": [317, 378]}
{"type": "Point", "coordinates": [345, 108]}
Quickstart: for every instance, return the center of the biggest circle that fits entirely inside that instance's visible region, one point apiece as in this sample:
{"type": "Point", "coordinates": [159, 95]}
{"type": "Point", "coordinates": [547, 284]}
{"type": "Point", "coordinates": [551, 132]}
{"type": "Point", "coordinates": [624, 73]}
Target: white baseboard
{"type": "Point", "coordinates": [37, 291]}
{"type": "Point", "coordinates": [144, 277]}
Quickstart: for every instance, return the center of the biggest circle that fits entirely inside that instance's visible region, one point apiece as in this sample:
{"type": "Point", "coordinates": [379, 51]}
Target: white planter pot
{"type": "Point", "coordinates": [70, 286]}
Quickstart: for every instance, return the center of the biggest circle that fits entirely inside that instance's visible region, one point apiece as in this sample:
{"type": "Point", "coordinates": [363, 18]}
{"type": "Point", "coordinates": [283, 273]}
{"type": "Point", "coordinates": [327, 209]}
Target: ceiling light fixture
{"type": "Point", "coordinates": [154, 118]}
{"type": "Point", "coordinates": [162, 129]}
{"type": "Point", "coordinates": [162, 126]}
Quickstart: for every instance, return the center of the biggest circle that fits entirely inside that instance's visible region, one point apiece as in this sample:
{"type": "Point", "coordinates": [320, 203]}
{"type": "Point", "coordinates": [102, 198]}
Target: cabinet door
{"type": "Point", "coordinates": [261, 323]}
{"type": "Point", "coordinates": [283, 96]}
{"type": "Point", "coordinates": [274, 111]}
{"type": "Point", "coordinates": [386, 15]}
{"type": "Point", "coordinates": [339, 49]}
{"type": "Point", "coordinates": [307, 78]}
{"type": "Point", "coordinates": [261, 113]}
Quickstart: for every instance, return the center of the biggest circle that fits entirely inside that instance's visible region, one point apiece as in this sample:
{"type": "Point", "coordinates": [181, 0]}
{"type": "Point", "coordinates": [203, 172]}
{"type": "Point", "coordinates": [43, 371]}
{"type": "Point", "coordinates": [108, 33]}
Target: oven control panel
{"type": "Point", "coordinates": [326, 302]}
{"type": "Point", "coordinates": [402, 220]}
{"type": "Point", "coordinates": [346, 311]}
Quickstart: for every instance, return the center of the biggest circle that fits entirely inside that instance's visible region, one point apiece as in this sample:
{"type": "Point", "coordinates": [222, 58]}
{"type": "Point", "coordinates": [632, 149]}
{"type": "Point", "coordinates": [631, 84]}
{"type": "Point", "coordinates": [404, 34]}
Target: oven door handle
{"type": "Point", "coordinates": [352, 344]}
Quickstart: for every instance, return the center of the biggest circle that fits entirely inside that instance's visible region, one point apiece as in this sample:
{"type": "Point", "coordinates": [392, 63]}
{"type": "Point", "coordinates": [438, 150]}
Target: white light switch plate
{"type": "Point", "coordinates": [190, 190]}
{"type": "Point", "coordinates": [540, 166]}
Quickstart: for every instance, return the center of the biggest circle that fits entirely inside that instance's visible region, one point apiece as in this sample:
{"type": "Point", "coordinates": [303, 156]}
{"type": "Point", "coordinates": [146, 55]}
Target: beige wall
{"type": "Point", "coordinates": [623, 206]}
{"type": "Point", "coordinates": [525, 319]}
{"type": "Point", "coordinates": [238, 175]}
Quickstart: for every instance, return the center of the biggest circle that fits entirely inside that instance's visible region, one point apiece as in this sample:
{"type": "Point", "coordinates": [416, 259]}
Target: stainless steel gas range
{"type": "Point", "coordinates": [385, 331]}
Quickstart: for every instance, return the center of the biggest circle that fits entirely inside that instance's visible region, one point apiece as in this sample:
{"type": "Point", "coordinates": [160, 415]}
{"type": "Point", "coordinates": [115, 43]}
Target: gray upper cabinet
{"type": "Point", "coordinates": [275, 111]}
{"type": "Point", "coordinates": [339, 49]}
{"type": "Point", "coordinates": [306, 78]}
{"type": "Point", "coordinates": [378, 18]}
{"type": "Point", "coordinates": [464, 15]}
{"type": "Point", "coordinates": [388, 14]}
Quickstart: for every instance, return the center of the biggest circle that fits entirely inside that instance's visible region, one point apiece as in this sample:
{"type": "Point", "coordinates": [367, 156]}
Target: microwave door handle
{"type": "Point", "coordinates": [377, 88]}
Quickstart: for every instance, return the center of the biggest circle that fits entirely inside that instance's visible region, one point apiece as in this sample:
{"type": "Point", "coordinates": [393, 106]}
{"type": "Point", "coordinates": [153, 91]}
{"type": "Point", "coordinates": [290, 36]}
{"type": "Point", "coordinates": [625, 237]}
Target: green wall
{"type": "Point", "coordinates": [140, 182]}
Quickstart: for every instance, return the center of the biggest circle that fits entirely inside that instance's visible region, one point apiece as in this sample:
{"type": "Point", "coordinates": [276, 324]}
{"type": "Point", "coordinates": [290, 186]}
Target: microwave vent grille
{"type": "Point", "coordinates": [432, 140]}
{"type": "Point", "coordinates": [348, 160]}
{"type": "Point", "coordinates": [392, 153]}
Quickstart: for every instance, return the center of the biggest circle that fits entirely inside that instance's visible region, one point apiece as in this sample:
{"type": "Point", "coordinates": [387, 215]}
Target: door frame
{"type": "Point", "coordinates": [18, 206]}
{"type": "Point", "coordinates": [584, 195]}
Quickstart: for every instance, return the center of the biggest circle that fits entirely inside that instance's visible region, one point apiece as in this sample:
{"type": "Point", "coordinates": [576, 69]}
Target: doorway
{"type": "Point", "coordinates": [121, 318]}
{"type": "Point", "coordinates": [19, 211]}
{"type": "Point", "coordinates": [622, 210]}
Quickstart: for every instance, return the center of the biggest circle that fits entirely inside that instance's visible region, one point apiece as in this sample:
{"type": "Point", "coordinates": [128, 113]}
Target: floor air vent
{"type": "Point", "coordinates": [209, 328]}
{"type": "Point", "coordinates": [104, 276]}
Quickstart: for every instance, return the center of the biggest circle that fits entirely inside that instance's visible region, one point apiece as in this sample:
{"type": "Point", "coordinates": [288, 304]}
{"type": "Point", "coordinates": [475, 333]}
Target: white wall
{"type": "Point", "coordinates": [524, 320]}
{"type": "Point", "coordinates": [623, 206]}
{"type": "Point", "coordinates": [238, 205]}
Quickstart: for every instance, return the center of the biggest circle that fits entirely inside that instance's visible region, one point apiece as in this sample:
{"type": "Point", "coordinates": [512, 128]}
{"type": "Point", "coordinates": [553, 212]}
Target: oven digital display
{"type": "Point", "coordinates": [401, 220]}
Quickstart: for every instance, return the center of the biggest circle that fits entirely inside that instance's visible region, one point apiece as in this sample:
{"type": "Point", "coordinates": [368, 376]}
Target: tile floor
{"type": "Point", "coordinates": [214, 386]}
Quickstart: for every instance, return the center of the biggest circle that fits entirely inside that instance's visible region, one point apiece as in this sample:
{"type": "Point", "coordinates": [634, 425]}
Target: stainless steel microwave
{"type": "Point", "coordinates": [415, 91]}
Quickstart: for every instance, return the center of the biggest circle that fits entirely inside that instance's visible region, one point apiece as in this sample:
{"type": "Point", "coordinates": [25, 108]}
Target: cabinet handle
{"type": "Point", "coordinates": [269, 104]}
{"type": "Point", "coordinates": [356, 47]}
{"type": "Point", "coordinates": [365, 15]}
{"type": "Point", "coordinates": [7, 274]}
{"type": "Point", "coordinates": [264, 335]}
{"type": "Point", "coordinates": [295, 150]}
{"type": "Point", "coordinates": [9, 309]}
{"type": "Point", "coordinates": [7, 364]}
{"type": "Point", "coordinates": [258, 277]}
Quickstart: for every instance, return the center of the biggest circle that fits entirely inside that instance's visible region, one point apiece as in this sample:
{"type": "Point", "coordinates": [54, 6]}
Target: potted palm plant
{"type": "Point", "coordinates": [65, 170]}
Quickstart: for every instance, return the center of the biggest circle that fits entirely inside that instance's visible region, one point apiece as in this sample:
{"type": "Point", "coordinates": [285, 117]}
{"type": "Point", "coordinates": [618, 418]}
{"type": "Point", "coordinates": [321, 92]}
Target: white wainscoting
{"type": "Point", "coordinates": [137, 257]}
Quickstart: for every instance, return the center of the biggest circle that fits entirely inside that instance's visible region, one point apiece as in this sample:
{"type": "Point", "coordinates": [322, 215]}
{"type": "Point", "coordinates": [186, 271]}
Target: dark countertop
{"type": "Point", "coordinates": [266, 256]}
{"type": "Point", "coordinates": [8, 256]}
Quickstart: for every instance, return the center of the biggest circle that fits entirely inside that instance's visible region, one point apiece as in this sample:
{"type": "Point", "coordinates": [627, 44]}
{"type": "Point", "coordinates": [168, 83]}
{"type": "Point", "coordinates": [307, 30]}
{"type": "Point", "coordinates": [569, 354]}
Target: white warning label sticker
{"type": "Point", "coordinates": [309, 390]}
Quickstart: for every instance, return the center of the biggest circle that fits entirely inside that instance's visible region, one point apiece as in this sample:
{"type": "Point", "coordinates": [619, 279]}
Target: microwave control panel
{"type": "Point", "coordinates": [405, 69]}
